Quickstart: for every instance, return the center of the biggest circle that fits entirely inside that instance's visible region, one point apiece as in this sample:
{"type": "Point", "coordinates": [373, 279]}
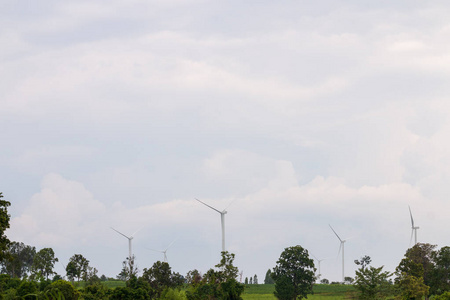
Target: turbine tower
{"type": "Point", "coordinates": [413, 228]}
{"type": "Point", "coordinates": [130, 238]}
{"type": "Point", "coordinates": [341, 246]}
{"type": "Point", "coordinates": [222, 219]}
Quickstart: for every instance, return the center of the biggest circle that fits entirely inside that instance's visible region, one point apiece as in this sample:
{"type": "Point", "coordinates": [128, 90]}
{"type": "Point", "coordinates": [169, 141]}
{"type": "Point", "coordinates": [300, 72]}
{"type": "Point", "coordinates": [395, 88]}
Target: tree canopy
{"type": "Point", "coordinates": [294, 274]}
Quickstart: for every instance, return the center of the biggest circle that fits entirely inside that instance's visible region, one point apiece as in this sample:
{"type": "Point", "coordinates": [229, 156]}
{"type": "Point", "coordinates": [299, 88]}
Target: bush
{"type": "Point", "coordinates": [27, 287]}
{"type": "Point", "coordinates": [65, 288]}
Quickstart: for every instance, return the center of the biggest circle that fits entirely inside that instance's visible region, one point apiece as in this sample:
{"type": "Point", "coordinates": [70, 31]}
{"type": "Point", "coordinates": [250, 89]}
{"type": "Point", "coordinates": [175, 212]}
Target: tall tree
{"type": "Point", "coordinates": [129, 269]}
{"type": "Point", "coordinates": [44, 262]}
{"type": "Point", "coordinates": [293, 274]}
{"type": "Point", "coordinates": [160, 277]}
{"type": "Point", "coordinates": [20, 259]}
{"type": "Point", "coordinates": [4, 224]}
{"type": "Point", "coordinates": [371, 282]}
{"type": "Point", "coordinates": [440, 276]}
{"type": "Point", "coordinates": [268, 279]}
{"type": "Point", "coordinates": [255, 279]}
{"type": "Point", "coordinates": [77, 266]}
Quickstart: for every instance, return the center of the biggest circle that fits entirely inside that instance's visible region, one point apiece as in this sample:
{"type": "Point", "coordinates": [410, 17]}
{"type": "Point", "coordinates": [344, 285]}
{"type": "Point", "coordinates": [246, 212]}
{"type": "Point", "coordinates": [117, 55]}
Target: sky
{"type": "Point", "coordinates": [291, 115]}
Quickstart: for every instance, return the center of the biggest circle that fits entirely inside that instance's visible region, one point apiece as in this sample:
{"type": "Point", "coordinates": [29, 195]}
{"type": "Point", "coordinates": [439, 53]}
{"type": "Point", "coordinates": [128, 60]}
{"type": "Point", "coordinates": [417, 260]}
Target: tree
{"type": "Point", "coordinates": [440, 275]}
{"type": "Point", "coordinates": [418, 262]}
{"type": "Point", "coordinates": [160, 277]}
{"type": "Point", "coordinates": [411, 287]}
{"type": "Point", "coordinates": [43, 263]}
{"type": "Point", "coordinates": [220, 284]}
{"type": "Point", "coordinates": [370, 282]}
{"type": "Point", "coordinates": [129, 269]}
{"type": "Point", "coordinates": [325, 281]}
{"type": "Point", "coordinates": [268, 279]}
{"type": "Point", "coordinates": [19, 261]}
{"type": "Point", "coordinates": [77, 267]}
{"type": "Point", "coordinates": [293, 274]}
{"type": "Point", "coordinates": [251, 280]}
{"type": "Point", "coordinates": [414, 273]}
{"type": "Point", "coordinates": [255, 279]}
{"type": "Point", "coordinates": [193, 277]}
{"type": "Point", "coordinates": [4, 224]}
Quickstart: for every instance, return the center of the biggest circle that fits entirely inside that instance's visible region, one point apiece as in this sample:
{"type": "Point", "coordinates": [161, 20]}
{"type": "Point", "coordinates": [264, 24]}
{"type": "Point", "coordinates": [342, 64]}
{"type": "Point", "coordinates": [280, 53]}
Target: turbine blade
{"type": "Point", "coordinates": [120, 233]}
{"type": "Point", "coordinates": [229, 205]}
{"type": "Point", "coordinates": [335, 233]}
{"type": "Point", "coordinates": [171, 244]}
{"type": "Point", "coordinates": [412, 220]}
{"type": "Point", "coordinates": [340, 246]}
{"type": "Point", "coordinates": [208, 206]}
{"type": "Point", "coordinates": [137, 231]}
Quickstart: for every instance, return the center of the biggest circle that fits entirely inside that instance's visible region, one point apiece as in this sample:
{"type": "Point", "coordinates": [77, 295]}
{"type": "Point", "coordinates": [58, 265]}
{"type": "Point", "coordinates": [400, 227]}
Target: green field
{"type": "Point", "coordinates": [321, 292]}
{"type": "Point", "coordinates": [265, 291]}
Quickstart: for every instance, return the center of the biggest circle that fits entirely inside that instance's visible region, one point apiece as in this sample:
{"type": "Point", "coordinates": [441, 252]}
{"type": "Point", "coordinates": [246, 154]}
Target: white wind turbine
{"type": "Point", "coordinates": [130, 238]}
{"type": "Point", "coordinates": [318, 263]}
{"type": "Point", "coordinates": [222, 219]}
{"type": "Point", "coordinates": [413, 228]}
{"type": "Point", "coordinates": [164, 251]}
{"type": "Point", "coordinates": [341, 246]}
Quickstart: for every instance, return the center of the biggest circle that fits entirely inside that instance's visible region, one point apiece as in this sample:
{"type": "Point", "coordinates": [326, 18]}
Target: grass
{"type": "Point", "coordinates": [113, 283]}
{"type": "Point", "coordinates": [321, 292]}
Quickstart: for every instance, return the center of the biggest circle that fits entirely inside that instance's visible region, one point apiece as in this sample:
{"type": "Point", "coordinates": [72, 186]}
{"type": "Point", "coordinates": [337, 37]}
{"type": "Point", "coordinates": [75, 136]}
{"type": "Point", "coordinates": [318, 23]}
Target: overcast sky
{"type": "Point", "coordinates": [299, 114]}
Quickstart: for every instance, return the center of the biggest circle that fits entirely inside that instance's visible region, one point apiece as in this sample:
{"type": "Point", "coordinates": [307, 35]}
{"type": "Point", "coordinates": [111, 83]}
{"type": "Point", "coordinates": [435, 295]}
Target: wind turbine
{"type": "Point", "coordinates": [164, 251]}
{"type": "Point", "coordinates": [222, 219]}
{"type": "Point", "coordinates": [318, 263]}
{"type": "Point", "coordinates": [130, 238]}
{"type": "Point", "coordinates": [413, 228]}
{"type": "Point", "coordinates": [341, 246]}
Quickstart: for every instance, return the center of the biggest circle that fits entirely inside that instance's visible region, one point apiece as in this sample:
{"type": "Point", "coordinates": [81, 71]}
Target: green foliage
{"type": "Point", "coordinates": [220, 284]}
{"type": "Point", "coordinates": [129, 269]}
{"type": "Point", "coordinates": [411, 287]}
{"type": "Point", "coordinates": [67, 290]}
{"type": "Point", "coordinates": [44, 262]}
{"type": "Point", "coordinates": [371, 282]}
{"type": "Point", "coordinates": [193, 277]}
{"type": "Point", "coordinates": [173, 294]}
{"type": "Point", "coordinates": [19, 260]}
{"type": "Point", "coordinates": [443, 296]}
{"type": "Point", "coordinates": [268, 279]}
{"type": "Point", "coordinates": [293, 274]}
{"type": "Point", "coordinates": [127, 293]}
{"type": "Point", "coordinates": [4, 224]}
{"type": "Point", "coordinates": [160, 277]}
{"type": "Point", "coordinates": [27, 287]}
{"type": "Point", "coordinates": [440, 275]}
{"type": "Point", "coordinates": [95, 292]}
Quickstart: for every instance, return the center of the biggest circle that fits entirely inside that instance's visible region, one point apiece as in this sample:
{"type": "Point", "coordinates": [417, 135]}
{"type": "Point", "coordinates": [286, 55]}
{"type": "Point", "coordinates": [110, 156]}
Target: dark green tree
{"type": "Point", "coordinates": [268, 279]}
{"type": "Point", "coordinates": [414, 273]}
{"type": "Point", "coordinates": [161, 277]}
{"type": "Point", "coordinates": [220, 284]}
{"type": "Point", "coordinates": [370, 282]}
{"type": "Point", "coordinates": [19, 261]}
{"type": "Point", "coordinates": [255, 279]}
{"type": "Point", "coordinates": [77, 267]}
{"type": "Point", "coordinates": [246, 280]}
{"type": "Point", "coordinates": [440, 275]}
{"type": "Point", "coordinates": [193, 277]}
{"type": "Point", "coordinates": [4, 224]}
{"type": "Point", "coordinates": [293, 274]}
{"type": "Point", "coordinates": [43, 263]}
